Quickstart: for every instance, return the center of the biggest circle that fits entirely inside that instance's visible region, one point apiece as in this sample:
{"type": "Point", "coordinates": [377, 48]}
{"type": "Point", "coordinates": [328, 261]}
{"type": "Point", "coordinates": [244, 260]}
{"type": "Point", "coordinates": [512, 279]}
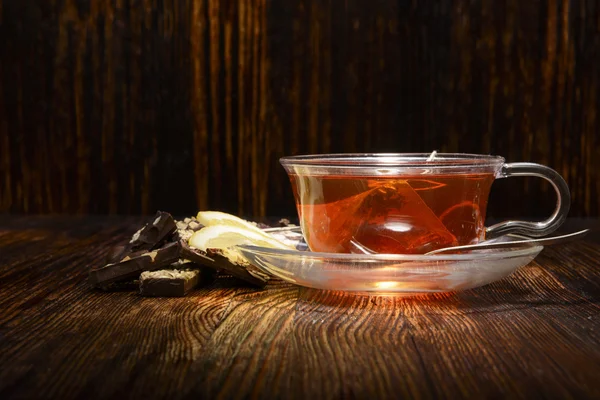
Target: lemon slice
{"type": "Point", "coordinates": [217, 218]}
{"type": "Point", "coordinates": [225, 236]}
{"type": "Point", "coordinates": [210, 218]}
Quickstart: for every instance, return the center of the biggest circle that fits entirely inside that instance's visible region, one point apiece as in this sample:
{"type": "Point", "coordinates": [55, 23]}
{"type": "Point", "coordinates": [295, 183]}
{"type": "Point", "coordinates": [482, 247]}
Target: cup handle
{"type": "Point", "coordinates": [541, 228]}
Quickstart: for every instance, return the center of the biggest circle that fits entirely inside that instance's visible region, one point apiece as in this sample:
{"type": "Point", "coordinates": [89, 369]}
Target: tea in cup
{"type": "Point", "coordinates": [406, 203]}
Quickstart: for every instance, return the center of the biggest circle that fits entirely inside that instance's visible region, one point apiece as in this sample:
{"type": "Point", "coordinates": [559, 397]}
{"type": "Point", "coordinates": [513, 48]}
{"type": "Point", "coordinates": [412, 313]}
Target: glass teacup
{"type": "Point", "coordinates": [407, 203]}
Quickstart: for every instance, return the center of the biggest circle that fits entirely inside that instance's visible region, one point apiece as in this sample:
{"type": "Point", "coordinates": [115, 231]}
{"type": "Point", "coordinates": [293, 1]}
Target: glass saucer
{"type": "Point", "coordinates": [390, 273]}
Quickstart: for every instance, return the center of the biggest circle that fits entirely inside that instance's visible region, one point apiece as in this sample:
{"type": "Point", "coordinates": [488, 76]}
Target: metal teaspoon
{"type": "Point", "coordinates": [524, 242]}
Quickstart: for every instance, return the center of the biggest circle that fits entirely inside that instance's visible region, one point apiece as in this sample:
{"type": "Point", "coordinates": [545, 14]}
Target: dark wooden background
{"type": "Point", "coordinates": [126, 106]}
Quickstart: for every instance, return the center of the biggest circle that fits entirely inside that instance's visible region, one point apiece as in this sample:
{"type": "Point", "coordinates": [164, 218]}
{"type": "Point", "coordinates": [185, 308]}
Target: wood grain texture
{"type": "Point", "coordinates": [128, 106]}
{"type": "Point", "coordinates": [534, 334]}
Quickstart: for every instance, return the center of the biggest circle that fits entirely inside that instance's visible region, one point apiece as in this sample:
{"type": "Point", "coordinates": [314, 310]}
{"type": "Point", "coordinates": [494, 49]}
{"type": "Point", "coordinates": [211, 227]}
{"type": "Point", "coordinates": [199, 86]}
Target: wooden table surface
{"type": "Point", "coordinates": [534, 334]}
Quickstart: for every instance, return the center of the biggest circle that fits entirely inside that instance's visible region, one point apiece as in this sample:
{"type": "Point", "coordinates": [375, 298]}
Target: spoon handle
{"type": "Point", "coordinates": [282, 228]}
{"type": "Point", "coordinates": [515, 243]}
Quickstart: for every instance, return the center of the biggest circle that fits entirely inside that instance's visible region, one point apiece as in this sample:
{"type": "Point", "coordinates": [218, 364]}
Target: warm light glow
{"type": "Point", "coordinates": [386, 285]}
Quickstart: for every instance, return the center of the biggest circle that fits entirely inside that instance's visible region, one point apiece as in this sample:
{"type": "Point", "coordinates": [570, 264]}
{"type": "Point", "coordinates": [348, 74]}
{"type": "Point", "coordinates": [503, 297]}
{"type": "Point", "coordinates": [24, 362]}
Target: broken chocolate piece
{"type": "Point", "coordinates": [169, 283]}
{"type": "Point", "coordinates": [153, 233]}
{"type": "Point", "coordinates": [116, 254]}
{"type": "Point", "coordinates": [206, 274]}
{"type": "Point", "coordinates": [216, 260]}
{"type": "Point", "coordinates": [149, 237]}
{"type": "Point", "coordinates": [230, 256]}
{"type": "Point", "coordinates": [135, 263]}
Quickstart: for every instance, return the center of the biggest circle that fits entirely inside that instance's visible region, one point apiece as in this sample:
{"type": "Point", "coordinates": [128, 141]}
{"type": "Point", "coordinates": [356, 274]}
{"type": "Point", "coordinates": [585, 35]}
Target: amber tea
{"type": "Point", "coordinates": [407, 203]}
{"type": "Point", "coordinates": [391, 214]}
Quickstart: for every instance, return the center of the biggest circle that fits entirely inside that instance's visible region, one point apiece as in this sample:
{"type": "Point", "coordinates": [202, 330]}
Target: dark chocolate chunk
{"type": "Point", "coordinates": [134, 264]}
{"type": "Point", "coordinates": [152, 235]}
{"type": "Point", "coordinates": [218, 255]}
{"type": "Point", "coordinates": [207, 275]}
{"type": "Point", "coordinates": [116, 254]}
{"type": "Point", "coordinates": [217, 261]}
{"type": "Point", "coordinates": [169, 283]}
